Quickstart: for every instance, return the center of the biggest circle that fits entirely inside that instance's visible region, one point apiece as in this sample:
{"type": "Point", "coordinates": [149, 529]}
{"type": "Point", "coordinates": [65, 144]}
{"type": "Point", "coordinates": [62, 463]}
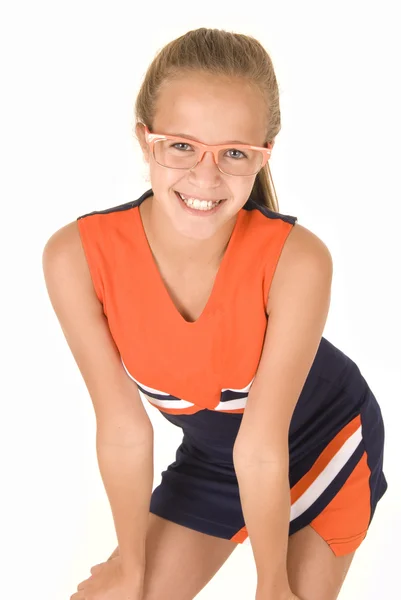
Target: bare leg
{"type": "Point", "coordinates": [201, 556]}
{"type": "Point", "coordinates": [314, 571]}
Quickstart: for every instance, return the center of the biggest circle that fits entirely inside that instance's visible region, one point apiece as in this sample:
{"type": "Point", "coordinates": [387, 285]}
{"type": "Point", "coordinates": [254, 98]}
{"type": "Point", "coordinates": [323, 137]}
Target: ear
{"type": "Point", "coordinates": [140, 136]}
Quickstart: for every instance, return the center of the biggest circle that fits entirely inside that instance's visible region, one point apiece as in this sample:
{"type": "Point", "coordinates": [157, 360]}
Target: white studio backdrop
{"type": "Point", "coordinates": [70, 73]}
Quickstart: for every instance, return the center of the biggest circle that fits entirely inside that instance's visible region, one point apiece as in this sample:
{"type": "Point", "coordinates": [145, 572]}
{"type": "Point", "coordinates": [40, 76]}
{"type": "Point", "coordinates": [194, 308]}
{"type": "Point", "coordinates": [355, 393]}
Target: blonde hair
{"type": "Point", "coordinates": [223, 54]}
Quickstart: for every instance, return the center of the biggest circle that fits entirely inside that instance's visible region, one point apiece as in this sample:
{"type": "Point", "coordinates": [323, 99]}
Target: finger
{"type": "Point", "coordinates": [83, 584]}
{"type": "Point", "coordinates": [96, 567]}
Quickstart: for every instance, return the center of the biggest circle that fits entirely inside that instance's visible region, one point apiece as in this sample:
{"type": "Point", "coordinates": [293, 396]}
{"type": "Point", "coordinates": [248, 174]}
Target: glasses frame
{"type": "Point", "coordinates": [151, 138]}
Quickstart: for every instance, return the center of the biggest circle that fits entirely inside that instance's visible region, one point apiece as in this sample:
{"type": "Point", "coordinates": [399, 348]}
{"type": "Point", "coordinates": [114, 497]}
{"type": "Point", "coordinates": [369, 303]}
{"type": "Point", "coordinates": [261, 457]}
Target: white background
{"type": "Point", "coordinates": [70, 72]}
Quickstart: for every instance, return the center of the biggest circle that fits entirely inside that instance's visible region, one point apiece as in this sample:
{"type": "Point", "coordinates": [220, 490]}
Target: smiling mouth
{"type": "Point", "coordinates": [187, 198]}
{"type": "Point", "coordinates": [197, 204]}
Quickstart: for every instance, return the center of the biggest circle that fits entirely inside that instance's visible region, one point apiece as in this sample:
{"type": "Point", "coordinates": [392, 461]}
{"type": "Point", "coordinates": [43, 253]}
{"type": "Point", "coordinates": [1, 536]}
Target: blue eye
{"type": "Point", "coordinates": [179, 144]}
{"type": "Point", "coordinates": [234, 150]}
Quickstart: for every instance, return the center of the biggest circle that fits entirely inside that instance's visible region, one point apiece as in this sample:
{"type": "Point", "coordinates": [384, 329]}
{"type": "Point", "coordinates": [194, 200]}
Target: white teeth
{"type": "Point", "coordinates": [199, 204]}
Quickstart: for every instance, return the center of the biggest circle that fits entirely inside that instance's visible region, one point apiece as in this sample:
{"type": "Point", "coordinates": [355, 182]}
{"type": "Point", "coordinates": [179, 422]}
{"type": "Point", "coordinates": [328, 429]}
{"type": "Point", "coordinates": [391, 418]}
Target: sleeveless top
{"type": "Point", "coordinates": [205, 368]}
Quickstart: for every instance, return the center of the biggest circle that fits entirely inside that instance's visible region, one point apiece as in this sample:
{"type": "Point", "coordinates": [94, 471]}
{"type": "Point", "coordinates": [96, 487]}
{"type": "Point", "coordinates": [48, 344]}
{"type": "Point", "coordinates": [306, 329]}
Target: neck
{"type": "Point", "coordinates": [181, 251]}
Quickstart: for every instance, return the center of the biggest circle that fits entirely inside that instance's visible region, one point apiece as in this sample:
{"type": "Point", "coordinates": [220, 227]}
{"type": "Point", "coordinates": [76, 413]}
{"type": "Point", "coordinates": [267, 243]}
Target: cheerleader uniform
{"type": "Point", "coordinates": [198, 375]}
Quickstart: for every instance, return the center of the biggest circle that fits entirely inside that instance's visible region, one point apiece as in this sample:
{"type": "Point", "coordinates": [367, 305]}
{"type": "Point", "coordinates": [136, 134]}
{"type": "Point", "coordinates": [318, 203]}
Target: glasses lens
{"type": "Point", "coordinates": [181, 155]}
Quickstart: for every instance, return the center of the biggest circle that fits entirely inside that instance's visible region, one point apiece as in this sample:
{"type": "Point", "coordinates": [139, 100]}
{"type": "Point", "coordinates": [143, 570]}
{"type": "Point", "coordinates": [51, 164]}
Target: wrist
{"type": "Point", "coordinates": [134, 575]}
{"type": "Point", "coordinates": [274, 596]}
{"type": "Point", "coordinates": [132, 571]}
{"type": "Point", "coordinates": [274, 593]}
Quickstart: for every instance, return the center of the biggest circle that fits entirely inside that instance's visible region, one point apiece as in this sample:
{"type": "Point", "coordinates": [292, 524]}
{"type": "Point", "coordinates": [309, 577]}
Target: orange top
{"type": "Point", "coordinates": [179, 366]}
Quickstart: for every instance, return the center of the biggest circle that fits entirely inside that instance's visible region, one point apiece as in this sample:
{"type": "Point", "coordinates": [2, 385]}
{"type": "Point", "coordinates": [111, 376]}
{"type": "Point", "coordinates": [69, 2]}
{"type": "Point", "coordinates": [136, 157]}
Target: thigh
{"type": "Point", "coordinates": [314, 571]}
{"type": "Point", "coordinates": [180, 561]}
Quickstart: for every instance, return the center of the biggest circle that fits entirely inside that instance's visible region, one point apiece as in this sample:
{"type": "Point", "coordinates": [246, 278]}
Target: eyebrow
{"type": "Point", "coordinates": [195, 140]}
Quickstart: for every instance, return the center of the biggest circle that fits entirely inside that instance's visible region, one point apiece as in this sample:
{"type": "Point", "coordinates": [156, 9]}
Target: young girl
{"type": "Point", "coordinates": [201, 298]}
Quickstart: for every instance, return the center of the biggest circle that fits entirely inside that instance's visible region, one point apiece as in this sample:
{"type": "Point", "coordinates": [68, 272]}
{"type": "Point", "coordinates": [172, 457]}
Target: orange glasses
{"type": "Point", "coordinates": [167, 154]}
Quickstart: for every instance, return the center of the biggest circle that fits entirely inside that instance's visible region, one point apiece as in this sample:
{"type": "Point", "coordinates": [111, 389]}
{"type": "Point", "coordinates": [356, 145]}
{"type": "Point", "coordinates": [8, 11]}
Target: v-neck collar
{"type": "Point", "coordinates": [214, 295]}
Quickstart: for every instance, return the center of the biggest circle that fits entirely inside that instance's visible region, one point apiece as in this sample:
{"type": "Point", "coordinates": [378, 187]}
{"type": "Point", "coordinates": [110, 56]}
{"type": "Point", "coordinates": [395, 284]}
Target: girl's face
{"type": "Point", "coordinates": [213, 111]}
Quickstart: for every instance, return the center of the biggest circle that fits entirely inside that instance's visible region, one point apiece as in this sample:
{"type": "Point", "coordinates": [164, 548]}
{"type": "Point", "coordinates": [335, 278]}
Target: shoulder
{"type": "Point", "coordinates": [64, 244]}
{"type": "Point", "coordinates": [64, 262]}
{"type": "Point", "coordinates": [304, 257]}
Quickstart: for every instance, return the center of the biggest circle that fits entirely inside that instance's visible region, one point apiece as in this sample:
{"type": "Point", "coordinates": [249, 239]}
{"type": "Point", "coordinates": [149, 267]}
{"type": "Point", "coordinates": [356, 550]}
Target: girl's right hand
{"type": "Point", "coordinates": [107, 580]}
{"type": "Point", "coordinates": [115, 553]}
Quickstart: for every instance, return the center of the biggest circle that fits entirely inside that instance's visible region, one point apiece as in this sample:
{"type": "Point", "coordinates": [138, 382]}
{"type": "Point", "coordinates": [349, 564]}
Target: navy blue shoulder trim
{"type": "Point", "coordinates": [249, 205]}
{"type": "Point", "coordinates": [120, 207]}
{"type": "Point", "coordinates": [271, 214]}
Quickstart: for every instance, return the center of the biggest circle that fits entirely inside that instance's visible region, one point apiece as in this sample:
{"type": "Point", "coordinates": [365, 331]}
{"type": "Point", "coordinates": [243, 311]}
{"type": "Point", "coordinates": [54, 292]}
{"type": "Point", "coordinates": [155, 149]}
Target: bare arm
{"type": "Point", "coordinates": [124, 435]}
{"type": "Point", "coordinates": [299, 304]}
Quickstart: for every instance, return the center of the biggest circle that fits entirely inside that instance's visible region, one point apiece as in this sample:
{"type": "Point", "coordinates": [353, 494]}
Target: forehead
{"type": "Point", "coordinates": [211, 110]}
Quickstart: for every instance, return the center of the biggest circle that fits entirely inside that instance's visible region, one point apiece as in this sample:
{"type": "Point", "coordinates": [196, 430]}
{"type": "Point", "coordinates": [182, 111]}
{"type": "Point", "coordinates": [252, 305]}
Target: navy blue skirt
{"type": "Point", "coordinates": [336, 442]}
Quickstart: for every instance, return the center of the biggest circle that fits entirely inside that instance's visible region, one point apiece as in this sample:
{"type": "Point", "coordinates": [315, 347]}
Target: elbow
{"type": "Point", "coordinates": [126, 434]}
{"type": "Point", "coordinates": [251, 455]}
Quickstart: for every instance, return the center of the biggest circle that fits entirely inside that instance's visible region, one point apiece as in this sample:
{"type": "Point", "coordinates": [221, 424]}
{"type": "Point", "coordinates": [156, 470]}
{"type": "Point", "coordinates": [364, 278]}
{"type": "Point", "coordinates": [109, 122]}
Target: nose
{"type": "Point", "coordinates": [207, 161]}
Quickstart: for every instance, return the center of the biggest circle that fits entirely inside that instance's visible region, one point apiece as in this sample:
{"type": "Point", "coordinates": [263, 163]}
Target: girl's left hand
{"type": "Point", "coordinates": [108, 582]}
